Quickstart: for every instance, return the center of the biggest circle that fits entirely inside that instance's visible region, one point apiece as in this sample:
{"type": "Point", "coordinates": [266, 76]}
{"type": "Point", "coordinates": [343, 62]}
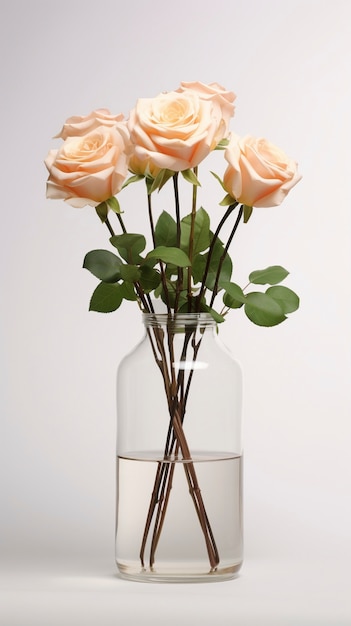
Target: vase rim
{"type": "Point", "coordinates": [178, 320]}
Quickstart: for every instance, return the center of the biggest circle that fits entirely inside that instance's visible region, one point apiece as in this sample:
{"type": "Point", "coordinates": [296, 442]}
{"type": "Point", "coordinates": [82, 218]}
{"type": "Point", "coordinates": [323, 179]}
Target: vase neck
{"type": "Point", "coordinates": [179, 321]}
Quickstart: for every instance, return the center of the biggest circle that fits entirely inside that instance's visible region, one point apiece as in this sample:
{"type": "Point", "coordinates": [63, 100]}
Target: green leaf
{"type": "Point", "coordinates": [198, 267]}
{"type": "Point", "coordinates": [182, 299]}
{"type": "Point", "coordinates": [234, 297]}
{"type": "Point", "coordinates": [191, 177]}
{"type": "Point", "coordinates": [222, 144]}
{"type": "Point", "coordinates": [129, 245]}
{"type": "Point", "coordinates": [158, 291]}
{"type": "Point", "coordinates": [130, 273]}
{"type": "Point", "coordinates": [114, 205]}
{"type": "Point", "coordinates": [231, 303]}
{"type": "Point", "coordinates": [263, 310]}
{"type": "Point", "coordinates": [202, 238]}
{"type": "Point", "coordinates": [247, 212]}
{"type": "Point", "coordinates": [132, 179]}
{"type": "Point", "coordinates": [102, 210]}
{"type": "Point", "coordinates": [226, 269]}
{"type": "Point", "coordinates": [288, 299]}
{"type": "Point", "coordinates": [104, 265]}
{"type": "Point", "coordinates": [149, 183]}
{"type": "Point", "coordinates": [219, 179]}
{"type": "Point", "coordinates": [106, 298]}
{"type": "Point", "coordinates": [216, 316]}
{"type": "Point", "coordinates": [127, 291]}
{"type": "Point", "coordinates": [234, 291]}
{"type": "Point", "coordinates": [161, 179]}
{"type": "Point", "coordinates": [149, 278]}
{"type": "Point", "coordinates": [165, 230]}
{"type": "Point", "coordinates": [227, 200]}
{"type": "Point", "coordinates": [175, 256]}
{"type": "Point", "coordinates": [269, 276]}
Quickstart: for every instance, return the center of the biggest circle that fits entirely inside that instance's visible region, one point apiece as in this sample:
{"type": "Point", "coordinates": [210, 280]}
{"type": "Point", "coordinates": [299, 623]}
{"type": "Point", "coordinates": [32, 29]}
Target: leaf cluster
{"type": "Point", "coordinates": [188, 267]}
{"type": "Point", "coordinates": [267, 308]}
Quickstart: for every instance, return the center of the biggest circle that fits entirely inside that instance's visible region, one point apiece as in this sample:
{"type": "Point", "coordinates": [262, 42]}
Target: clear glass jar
{"type": "Point", "coordinates": [179, 454]}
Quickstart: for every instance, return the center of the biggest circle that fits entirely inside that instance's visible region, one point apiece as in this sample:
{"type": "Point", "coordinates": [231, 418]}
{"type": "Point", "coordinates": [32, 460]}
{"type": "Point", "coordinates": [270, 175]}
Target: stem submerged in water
{"type": "Point", "coordinates": [177, 390]}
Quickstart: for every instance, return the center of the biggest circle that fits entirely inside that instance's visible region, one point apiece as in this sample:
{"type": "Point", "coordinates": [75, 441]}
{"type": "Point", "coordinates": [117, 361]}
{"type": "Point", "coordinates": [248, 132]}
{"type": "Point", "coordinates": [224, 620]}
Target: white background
{"type": "Point", "coordinates": [288, 63]}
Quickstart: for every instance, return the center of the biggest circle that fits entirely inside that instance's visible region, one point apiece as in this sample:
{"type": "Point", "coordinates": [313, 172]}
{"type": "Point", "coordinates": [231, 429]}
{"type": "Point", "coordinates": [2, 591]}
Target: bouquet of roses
{"type": "Point", "coordinates": [187, 267]}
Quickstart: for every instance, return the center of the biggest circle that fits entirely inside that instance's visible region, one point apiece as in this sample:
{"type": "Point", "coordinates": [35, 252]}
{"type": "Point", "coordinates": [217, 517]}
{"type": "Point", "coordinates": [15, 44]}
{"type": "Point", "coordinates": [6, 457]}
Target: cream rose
{"type": "Point", "coordinates": [80, 125]}
{"type": "Point", "coordinates": [176, 131]}
{"type": "Point", "coordinates": [259, 174]}
{"type": "Point", "coordinates": [89, 169]}
{"type": "Point", "coordinates": [222, 98]}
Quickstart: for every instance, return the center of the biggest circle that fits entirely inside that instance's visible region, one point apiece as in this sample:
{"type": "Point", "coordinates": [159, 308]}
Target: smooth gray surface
{"type": "Point", "coordinates": [267, 593]}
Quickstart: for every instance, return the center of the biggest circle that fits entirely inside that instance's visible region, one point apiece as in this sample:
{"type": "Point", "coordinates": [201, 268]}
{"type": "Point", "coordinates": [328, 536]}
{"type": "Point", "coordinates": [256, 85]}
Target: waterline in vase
{"type": "Point", "coordinates": [181, 551]}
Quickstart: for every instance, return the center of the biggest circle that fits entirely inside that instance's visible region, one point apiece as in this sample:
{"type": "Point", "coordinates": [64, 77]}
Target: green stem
{"type": "Point", "coordinates": [108, 224]}
{"type": "Point", "coordinates": [221, 260]}
{"type": "Point", "coordinates": [228, 212]}
{"type": "Point", "coordinates": [191, 238]}
{"type": "Point", "coordinates": [177, 211]}
{"type": "Point", "coordinates": [162, 269]}
{"type": "Point", "coordinates": [151, 219]}
{"type": "Point", "coordinates": [119, 217]}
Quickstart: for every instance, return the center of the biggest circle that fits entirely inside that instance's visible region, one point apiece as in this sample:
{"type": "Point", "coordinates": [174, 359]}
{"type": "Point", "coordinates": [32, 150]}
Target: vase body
{"type": "Point", "coordinates": [179, 454]}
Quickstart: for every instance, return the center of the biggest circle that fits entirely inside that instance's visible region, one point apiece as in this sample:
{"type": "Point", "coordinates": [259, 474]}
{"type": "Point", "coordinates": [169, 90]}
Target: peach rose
{"type": "Point", "coordinates": [142, 167]}
{"type": "Point", "coordinates": [176, 131]}
{"type": "Point", "coordinates": [89, 169]}
{"type": "Point", "coordinates": [80, 125]}
{"type": "Point", "coordinates": [259, 174]}
{"type": "Point", "coordinates": [220, 96]}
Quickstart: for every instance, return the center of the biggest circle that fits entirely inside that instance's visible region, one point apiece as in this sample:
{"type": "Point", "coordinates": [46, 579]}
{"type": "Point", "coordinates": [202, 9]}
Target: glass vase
{"type": "Point", "coordinates": [179, 454]}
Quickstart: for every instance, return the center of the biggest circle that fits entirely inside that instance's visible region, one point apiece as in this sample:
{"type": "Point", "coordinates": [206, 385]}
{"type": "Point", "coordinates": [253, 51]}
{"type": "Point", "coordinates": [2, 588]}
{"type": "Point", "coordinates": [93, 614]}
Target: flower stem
{"type": "Point", "coordinates": [211, 248]}
{"type": "Point", "coordinates": [175, 442]}
{"type": "Point", "coordinates": [151, 219]}
{"type": "Point", "coordinates": [108, 224]}
{"type": "Point", "coordinates": [177, 211]}
{"type": "Point", "coordinates": [221, 260]}
{"type": "Point", "coordinates": [162, 269]}
{"type": "Point", "coordinates": [191, 238]}
{"type": "Point", "coordinates": [119, 217]}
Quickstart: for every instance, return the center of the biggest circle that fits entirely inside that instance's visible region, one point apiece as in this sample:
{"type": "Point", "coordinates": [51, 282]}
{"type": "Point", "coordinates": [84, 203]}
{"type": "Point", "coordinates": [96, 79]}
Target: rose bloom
{"type": "Point", "coordinates": [142, 167]}
{"type": "Point", "coordinates": [259, 174]}
{"type": "Point", "coordinates": [176, 131]}
{"type": "Point", "coordinates": [80, 125]}
{"type": "Point", "coordinates": [89, 169]}
{"type": "Point", "coordinates": [220, 96]}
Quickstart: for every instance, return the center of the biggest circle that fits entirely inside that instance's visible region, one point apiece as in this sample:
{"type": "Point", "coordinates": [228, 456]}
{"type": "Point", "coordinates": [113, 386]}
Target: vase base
{"type": "Point", "coordinates": [190, 574]}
